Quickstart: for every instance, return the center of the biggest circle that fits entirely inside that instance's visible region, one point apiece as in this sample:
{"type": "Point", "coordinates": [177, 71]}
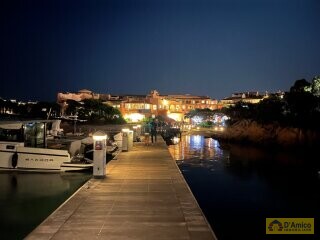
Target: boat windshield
{"type": "Point", "coordinates": [34, 135]}
{"type": "Point", "coordinates": [11, 135]}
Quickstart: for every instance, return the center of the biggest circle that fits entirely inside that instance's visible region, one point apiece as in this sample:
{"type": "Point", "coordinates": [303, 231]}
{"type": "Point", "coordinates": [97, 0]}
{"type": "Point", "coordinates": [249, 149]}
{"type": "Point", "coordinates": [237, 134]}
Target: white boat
{"type": "Point", "coordinates": [24, 146]}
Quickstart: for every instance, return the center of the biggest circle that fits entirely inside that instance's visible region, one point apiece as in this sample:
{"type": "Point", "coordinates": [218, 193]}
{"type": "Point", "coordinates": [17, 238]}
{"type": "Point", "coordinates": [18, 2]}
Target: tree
{"type": "Point", "coordinates": [204, 114]}
{"type": "Point", "coordinates": [315, 86]}
{"type": "Point", "coordinates": [73, 107]}
{"type": "Point", "coordinates": [302, 104]}
{"type": "Point", "coordinates": [271, 109]}
{"type": "Point", "coordinates": [96, 111]}
{"type": "Point", "coordinates": [300, 86]}
{"type": "Point", "coordinates": [240, 110]}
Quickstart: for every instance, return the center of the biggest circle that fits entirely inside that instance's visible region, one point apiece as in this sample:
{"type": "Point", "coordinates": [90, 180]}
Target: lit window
{"type": "Point", "coordinates": [127, 105]}
{"type": "Point", "coordinates": [147, 106]}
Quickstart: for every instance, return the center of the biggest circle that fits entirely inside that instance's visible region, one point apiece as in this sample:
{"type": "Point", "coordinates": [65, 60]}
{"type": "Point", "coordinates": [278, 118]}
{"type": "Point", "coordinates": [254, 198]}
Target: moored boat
{"type": "Point", "coordinates": [24, 147]}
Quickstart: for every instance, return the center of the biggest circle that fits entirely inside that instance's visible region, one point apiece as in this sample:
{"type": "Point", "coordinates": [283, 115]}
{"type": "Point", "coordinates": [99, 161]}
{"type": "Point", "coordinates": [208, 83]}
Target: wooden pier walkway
{"type": "Point", "coordinates": [144, 196]}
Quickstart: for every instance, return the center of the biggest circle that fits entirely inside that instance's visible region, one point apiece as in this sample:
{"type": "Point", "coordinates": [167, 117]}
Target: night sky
{"type": "Point", "coordinates": [200, 47]}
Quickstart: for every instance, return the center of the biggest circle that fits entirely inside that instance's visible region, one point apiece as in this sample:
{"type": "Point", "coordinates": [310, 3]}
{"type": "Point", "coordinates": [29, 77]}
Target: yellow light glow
{"type": "Point", "coordinates": [165, 102]}
{"type": "Point", "coordinates": [99, 136]}
{"type": "Point", "coordinates": [175, 116]}
{"type": "Point", "coordinates": [175, 140]}
{"type": "Point", "coordinates": [134, 117]}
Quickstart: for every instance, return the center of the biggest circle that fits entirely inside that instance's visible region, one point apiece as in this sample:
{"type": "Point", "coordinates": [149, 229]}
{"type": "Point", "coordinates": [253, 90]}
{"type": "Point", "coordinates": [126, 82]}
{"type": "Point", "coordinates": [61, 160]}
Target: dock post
{"type": "Point", "coordinates": [99, 154]}
{"type": "Point", "coordinates": [127, 139]}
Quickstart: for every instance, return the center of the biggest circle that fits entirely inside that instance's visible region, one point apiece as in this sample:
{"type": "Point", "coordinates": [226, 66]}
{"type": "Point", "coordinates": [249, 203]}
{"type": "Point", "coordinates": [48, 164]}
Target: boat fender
{"type": "Point", "coordinates": [14, 160]}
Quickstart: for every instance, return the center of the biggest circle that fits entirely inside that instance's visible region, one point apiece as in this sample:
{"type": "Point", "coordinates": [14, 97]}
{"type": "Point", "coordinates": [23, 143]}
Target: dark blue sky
{"type": "Point", "coordinates": [201, 47]}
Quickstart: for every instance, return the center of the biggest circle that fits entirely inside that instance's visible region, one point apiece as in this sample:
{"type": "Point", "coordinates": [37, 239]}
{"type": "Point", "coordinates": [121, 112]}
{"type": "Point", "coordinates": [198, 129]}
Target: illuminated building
{"type": "Point", "coordinates": [134, 108]}
{"type": "Point", "coordinates": [247, 97]}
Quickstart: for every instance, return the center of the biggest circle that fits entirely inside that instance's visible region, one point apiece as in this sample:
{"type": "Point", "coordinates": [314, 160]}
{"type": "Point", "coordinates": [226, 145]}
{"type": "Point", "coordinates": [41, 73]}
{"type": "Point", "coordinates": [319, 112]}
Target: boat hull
{"type": "Point", "coordinates": [17, 157]}
{"type": "Point", "coordinates": [67, 167]}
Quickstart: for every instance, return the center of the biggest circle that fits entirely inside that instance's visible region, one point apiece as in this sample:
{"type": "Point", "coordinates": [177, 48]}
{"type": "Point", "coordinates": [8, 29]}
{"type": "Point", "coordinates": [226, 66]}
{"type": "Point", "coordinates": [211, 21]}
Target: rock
{"type": "Point", "coordinates": [269, 134]}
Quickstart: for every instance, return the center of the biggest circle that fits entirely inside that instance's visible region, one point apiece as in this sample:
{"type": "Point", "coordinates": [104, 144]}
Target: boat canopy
{"type": "Point", "coordinates": [18, 124]}
{"type": "Point", "coordinates": [11, 126]}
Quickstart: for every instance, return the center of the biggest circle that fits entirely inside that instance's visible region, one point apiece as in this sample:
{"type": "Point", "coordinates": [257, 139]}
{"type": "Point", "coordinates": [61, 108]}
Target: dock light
{"type": "Point", "coordinates": [99, 138]}
{"type": "Point", "coordinates": [99, 154]}
{"type": "Point", "coordinates": [137, 133]}
{"type": "Point", "coordinates": [127, 139]}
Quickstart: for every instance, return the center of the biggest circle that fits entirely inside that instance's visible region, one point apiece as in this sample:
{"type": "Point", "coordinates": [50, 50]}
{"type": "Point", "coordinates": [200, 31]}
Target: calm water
{"type": "Point", "coordinates": [238, 187]}
{"type": "Point", "coordinates": [26, 199]}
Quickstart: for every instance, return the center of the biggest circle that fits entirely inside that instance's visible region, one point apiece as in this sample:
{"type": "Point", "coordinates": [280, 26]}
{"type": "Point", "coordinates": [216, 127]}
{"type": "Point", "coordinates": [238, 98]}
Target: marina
{"type": "Point", "coordinates": [160, 120]}
{"type": "Point", "coordinates": [143, 196]}
{"type": "Point", "coordinates": [189, 190]}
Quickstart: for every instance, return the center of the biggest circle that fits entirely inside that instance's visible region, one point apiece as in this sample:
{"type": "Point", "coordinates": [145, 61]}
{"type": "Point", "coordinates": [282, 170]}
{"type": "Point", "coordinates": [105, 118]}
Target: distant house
{"type": "Point", "coordinates": [247, 97]}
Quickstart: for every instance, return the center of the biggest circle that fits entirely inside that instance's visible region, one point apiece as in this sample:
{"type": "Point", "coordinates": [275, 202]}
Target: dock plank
{"type": "Point", "coordinates": [143, 196]}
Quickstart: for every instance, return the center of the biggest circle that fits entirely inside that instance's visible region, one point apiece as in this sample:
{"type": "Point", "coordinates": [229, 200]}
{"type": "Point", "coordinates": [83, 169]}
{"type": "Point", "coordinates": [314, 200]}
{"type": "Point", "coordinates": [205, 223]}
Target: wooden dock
{"type": "Point", "coordinates": [143, 196]}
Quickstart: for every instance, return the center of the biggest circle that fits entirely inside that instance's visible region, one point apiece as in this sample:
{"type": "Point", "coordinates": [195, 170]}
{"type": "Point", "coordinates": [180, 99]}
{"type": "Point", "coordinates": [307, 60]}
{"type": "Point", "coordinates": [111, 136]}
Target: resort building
{"type": "Point", "coordinates": [134, 108]}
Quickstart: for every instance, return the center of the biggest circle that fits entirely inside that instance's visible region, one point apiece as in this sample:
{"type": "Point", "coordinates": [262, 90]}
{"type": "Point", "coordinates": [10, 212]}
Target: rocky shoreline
{"type": "Point", "coordinates": [251, 132]}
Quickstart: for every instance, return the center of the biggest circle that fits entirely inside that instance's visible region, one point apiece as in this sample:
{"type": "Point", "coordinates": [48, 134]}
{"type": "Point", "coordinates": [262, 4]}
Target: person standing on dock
{"type": "Point", "coordinates": [153, 131]}
{"type": "Point", "coordinates": [147, 130]}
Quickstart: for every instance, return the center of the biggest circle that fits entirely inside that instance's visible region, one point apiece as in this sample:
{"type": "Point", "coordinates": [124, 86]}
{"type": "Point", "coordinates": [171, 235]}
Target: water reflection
{"type": "Point", "coordinates": [28, 198]}
{"type": "Point", "coordinates": [196, 147]}
{"type": "Point", "coordinates": [240, 186]}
